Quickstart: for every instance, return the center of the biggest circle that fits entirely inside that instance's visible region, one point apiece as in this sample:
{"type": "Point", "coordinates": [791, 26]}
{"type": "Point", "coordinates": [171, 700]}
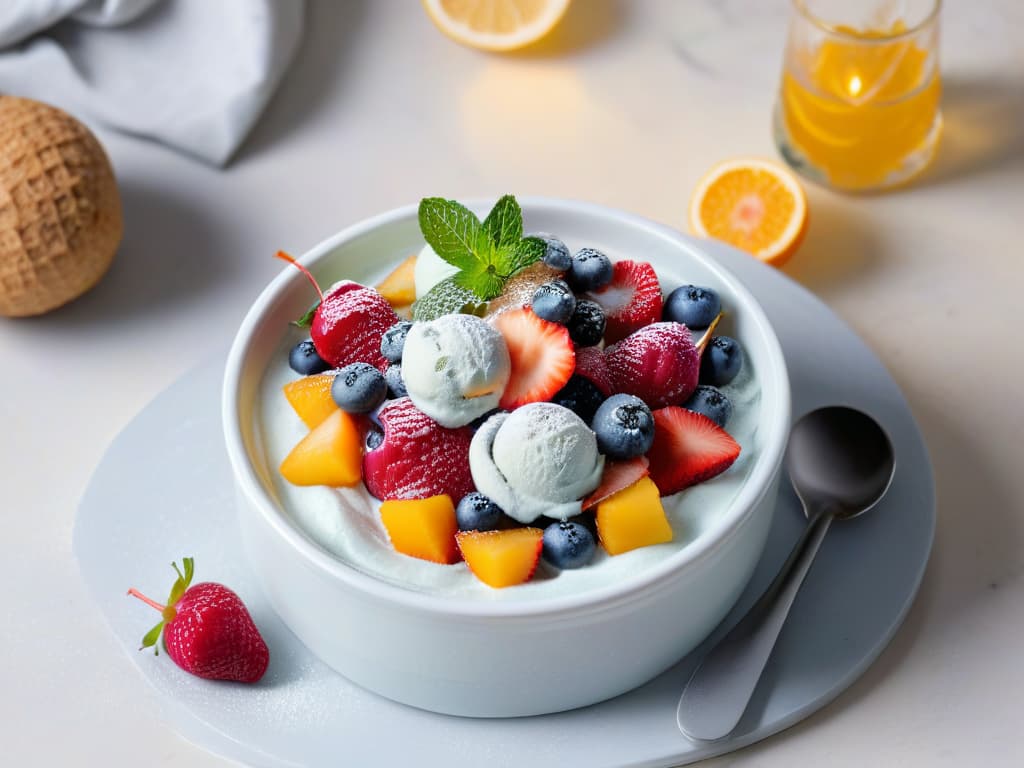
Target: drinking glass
{"type": "Point", "coordinates": [858, 108]}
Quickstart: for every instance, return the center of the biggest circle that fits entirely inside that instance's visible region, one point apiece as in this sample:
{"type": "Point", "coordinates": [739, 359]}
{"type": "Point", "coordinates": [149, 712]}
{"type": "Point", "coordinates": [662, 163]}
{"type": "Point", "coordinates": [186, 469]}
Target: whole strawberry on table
{"type": "Point", "coordinates": [207, 630]}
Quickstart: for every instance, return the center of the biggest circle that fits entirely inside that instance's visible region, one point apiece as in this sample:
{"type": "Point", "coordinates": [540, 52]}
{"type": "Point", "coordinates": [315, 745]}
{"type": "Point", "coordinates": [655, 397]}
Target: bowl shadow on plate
{"type": "Point", "coordinates": [983, 129]}
{"type": "Point", "coordinates": [585, 25]}
{"type": "Point", "coordinates": [838, 246]}
{"type": "Point", "coordinates": [170, 253]}
{"type": "Point", "coordinates": [322, 61]}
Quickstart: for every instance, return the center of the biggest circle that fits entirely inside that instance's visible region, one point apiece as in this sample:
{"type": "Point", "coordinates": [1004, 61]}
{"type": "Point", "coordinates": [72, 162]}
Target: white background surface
{"type": "Point", "coordinates": [627, 105]}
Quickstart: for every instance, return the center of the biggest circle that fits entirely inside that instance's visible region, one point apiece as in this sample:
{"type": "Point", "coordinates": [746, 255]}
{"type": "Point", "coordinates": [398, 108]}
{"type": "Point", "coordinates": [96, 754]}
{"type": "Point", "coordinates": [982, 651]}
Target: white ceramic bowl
{"type": "Point", "coordinates": [496, 659]}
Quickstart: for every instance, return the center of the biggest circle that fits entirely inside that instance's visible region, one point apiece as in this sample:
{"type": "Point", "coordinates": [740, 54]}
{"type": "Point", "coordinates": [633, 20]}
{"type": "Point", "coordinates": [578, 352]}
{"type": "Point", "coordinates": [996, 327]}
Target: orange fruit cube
{"type": "Point", "coordinates": [501, 558]}
{"type": "Point", "coordinates": [310, 397]}
{"type": "Point", "coordinates": [632, 518]}
{"type": "Point", "coordinates": [399, 287]}
{"type": "Point", "coordinates": [331, 454]}
{"type": "Point", "coordinates": [423, 528]}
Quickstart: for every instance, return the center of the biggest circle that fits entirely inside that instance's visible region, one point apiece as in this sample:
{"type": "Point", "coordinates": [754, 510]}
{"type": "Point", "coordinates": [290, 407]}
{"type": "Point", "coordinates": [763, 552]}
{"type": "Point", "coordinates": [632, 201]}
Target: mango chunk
{"type": "Point", "coordinates": [310, 397]}
{"type": "Point", "coordinates": [423, 528]}
{"type": "Point", "coordinates": [399, 287]}
{"type": "Point", "coordinates": [502, 558]}
{"type": "Point", "coordinates": [331, 454]}
{"type": "Point", "coordinates": [632, 518]}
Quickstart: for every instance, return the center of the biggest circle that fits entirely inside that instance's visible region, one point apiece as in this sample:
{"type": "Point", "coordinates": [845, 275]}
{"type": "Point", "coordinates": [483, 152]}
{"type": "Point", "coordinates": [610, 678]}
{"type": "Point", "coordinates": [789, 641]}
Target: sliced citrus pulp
{"type": "Point", "coordinates": [756, 205]}
{"type": "Point", "coordinates": [496, 25]}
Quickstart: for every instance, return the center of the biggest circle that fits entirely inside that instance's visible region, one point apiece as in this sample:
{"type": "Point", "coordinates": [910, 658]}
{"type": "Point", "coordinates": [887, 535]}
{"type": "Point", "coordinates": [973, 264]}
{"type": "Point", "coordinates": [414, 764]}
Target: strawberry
{"type": "Point", "coordinates": [207, 630]}
{"type": "Point", "coordinates": [542, 357]}
{"type": "Point", "coordinates": [348, 322]}
{"type": "Point", "coordinates": [659, 364]}
{"type": "Point", "coordinates": [417, 457]}
{"type": "Point", "coordinates": [689, 448]}
{"type": "Point", "coordinates": [591, 365]}
{"type": "Point", "coordinates": [617, 476]}
{"type": "Point", "coordinates": [630, 301]}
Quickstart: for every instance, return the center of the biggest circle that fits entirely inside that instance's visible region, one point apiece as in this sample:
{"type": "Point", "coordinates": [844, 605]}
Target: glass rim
{"type": "Point", "coordinates": [808, 14]}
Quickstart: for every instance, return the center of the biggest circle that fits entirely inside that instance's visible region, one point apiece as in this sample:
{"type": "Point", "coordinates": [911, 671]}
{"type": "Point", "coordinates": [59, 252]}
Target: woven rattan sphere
{"type": "Point", "coordinates": [60, 212]}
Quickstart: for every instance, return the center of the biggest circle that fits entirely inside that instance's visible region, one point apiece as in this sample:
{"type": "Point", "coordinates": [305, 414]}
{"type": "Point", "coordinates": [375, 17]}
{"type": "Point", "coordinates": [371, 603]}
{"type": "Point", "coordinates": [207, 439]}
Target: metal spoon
{"type": "Point", "coordinates": [840, 462]}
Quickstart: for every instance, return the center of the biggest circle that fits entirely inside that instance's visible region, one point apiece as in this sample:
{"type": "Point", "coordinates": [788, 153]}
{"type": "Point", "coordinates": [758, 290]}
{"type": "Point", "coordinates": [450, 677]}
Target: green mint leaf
{"type": "Point", "coordinates": [307, 319]}
{"type": "Point", "coordinates": [446, 298]}
{"type": "Point", "coordinates": [527, 251]}
{"type": "Point", "coordinates": [483, 280]}
{"type": "Point", "coordinates": [149, 641]}
{"type": "Point", "coordinates": [504, 223]}
{"type": "Point", "coordinates": [452, 230]}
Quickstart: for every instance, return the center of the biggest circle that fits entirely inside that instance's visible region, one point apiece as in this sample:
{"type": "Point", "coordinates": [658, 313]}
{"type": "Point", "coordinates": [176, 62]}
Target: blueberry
{"type": "Point", "coordinates": [712, 403]}
{"type": "Point", "coordinates": [586, 326]}
{"type": "Point", "coordinates": [580, 396]}
{"type": "Point", "coordinates": [478, 422]}
{"type": "Point", "coordinates": [359, 388]}
{"type": "Point", "coordinates": [590, 270]}
{"type": "Point", "coordinates": [692, 306]}
{"type": "Point", "coordinates": [624, 427]}
{"type": "Point", "coordinates": [556, 254]}
{"type": "Point", "coordinates": [374, 437]}
{"type": "Point", "coordinates": [396, 384]}
{"type": "Point", "coordinates": [721, 361]}
{"type": "Point", "coordinates": [554, 301]}
{"type": "Point", "coordinates": [304, 359]}
{"type": "Point", "coordinates": [392, 342]}
{"type": "Point", "coordinates": [568, 545]}
{"type": "Point", "coordinates": [476, 512]}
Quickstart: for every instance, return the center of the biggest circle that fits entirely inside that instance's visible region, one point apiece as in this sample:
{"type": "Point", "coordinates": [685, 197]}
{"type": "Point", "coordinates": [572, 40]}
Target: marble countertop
{"type": "Point", "coordinates": [627, 105]}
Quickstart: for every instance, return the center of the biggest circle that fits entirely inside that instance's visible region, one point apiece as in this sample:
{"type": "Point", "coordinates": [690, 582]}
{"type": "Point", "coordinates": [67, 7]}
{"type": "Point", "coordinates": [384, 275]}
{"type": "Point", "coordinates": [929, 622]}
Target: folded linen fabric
{"type": "Point", "coordinates": [192, 74]}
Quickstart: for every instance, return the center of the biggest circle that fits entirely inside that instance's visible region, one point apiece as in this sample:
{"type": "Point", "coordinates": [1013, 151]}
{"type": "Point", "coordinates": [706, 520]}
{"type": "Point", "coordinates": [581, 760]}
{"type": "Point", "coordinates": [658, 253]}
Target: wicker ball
{"type": "Point", "coordinates": [60, 212]}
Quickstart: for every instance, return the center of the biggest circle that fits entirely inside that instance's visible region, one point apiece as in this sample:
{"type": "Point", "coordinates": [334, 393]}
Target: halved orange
{"type": "Point", "coordinates": [756, 205]}
{"type": "Point", "coordinates": [496, 25]}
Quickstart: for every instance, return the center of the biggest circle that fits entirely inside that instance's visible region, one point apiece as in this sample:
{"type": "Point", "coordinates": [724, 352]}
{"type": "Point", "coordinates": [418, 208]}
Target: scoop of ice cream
{"type": "Point", "coordinates": [430, 270]}
{"type": "Point", "coordinates": [541, 459]}
{"type": "Point", "coordinates": [455, 368]}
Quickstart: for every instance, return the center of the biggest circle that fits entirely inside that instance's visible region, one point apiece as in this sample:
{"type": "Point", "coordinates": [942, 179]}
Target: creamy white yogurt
{"type": "Point", "coordinates": [347, 524]}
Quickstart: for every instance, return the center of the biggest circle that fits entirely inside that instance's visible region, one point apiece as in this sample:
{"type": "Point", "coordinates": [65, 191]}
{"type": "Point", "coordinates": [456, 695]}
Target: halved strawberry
{"type": "Point", "coordinates": [542, 357]}
{"type": "Point", "coordinates": [688, 448]}
{"type": "Point", "coordinates": [630, 301]}
{"type": "Point", "coordinates": [417, 457]}
{"type": "Point", "coordinates": [501, 558]}
{"type": "Point", "coordinates": [591, 365]}
{"type": "Point", "coordinates": [348, 324]}
{"type": "Point", "coordinates": [617, 476]}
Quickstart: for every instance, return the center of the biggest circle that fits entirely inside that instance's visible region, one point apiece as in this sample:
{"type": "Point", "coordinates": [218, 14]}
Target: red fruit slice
{"type": "Point", "coordinates": [418, 458]}
{"type": "Point", "coordinates": [617, 476]}
{"type": "Point", "coordinates": [501, 558]}
{"type": "Point", "coordinates": [348, 324]}
{"type": "Point", "coordinates": [659, 364]}
{"type": "Point", "coordinates": [688, 448]}
{"type": "Point", "coordinates": [591, 365]}
{"type": "Point", "coordinates": [542, 357]}
{"type": "Point", "coordinates": [630, 301]}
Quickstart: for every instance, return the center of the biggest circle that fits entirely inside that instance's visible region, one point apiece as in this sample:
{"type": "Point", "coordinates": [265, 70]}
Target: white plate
{"type": "Point", "coordinates": [164, 490]}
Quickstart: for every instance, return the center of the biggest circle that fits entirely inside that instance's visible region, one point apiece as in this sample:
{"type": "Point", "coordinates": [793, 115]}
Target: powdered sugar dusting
{"type": "Point", "coordinates": [659, 364]}
{"type": "Point", "coordinates": [349, 323]}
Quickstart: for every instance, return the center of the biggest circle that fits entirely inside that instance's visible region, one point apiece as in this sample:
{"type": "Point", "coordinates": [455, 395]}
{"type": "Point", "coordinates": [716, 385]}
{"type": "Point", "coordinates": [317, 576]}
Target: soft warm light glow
{"type": "Point", "coordinates": [854, 85]}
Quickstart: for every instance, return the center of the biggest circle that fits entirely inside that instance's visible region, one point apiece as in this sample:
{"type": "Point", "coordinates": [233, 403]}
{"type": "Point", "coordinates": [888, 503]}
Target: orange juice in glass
{"type": "Point", "coordinates": [859, 102]}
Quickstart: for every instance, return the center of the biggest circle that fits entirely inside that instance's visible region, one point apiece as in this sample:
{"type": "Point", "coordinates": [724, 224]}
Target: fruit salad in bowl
{"type": "Point", "coordinates": [547, 435]}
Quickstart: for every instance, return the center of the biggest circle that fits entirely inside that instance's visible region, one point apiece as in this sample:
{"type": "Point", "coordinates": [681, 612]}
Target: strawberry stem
{"type": "Point", "coordinates": [291, 260]}
{"type": "Point", "coordinates": [706, 338]}
{"type": "Point", "coordinates": [151, 603]}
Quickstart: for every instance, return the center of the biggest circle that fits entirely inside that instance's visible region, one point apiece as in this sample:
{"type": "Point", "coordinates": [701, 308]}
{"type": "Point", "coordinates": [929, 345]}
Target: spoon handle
{"type": "Point", "coordinates": [720, 689]}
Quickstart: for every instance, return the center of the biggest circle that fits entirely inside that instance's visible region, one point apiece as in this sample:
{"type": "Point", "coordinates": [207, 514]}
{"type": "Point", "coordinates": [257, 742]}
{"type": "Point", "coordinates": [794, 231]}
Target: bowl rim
{"type": "Point", "coordinates": [651, 580]}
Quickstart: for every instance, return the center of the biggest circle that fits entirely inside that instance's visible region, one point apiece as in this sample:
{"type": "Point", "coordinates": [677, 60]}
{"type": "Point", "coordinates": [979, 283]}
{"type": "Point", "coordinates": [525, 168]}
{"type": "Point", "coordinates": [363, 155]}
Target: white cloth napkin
{"type": "Point", "coordinates": [193, 74]}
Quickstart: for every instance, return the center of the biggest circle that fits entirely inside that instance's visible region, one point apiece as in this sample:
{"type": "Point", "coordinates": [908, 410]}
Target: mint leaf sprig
{"type": "Point", "coordinates": [486, 253]}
